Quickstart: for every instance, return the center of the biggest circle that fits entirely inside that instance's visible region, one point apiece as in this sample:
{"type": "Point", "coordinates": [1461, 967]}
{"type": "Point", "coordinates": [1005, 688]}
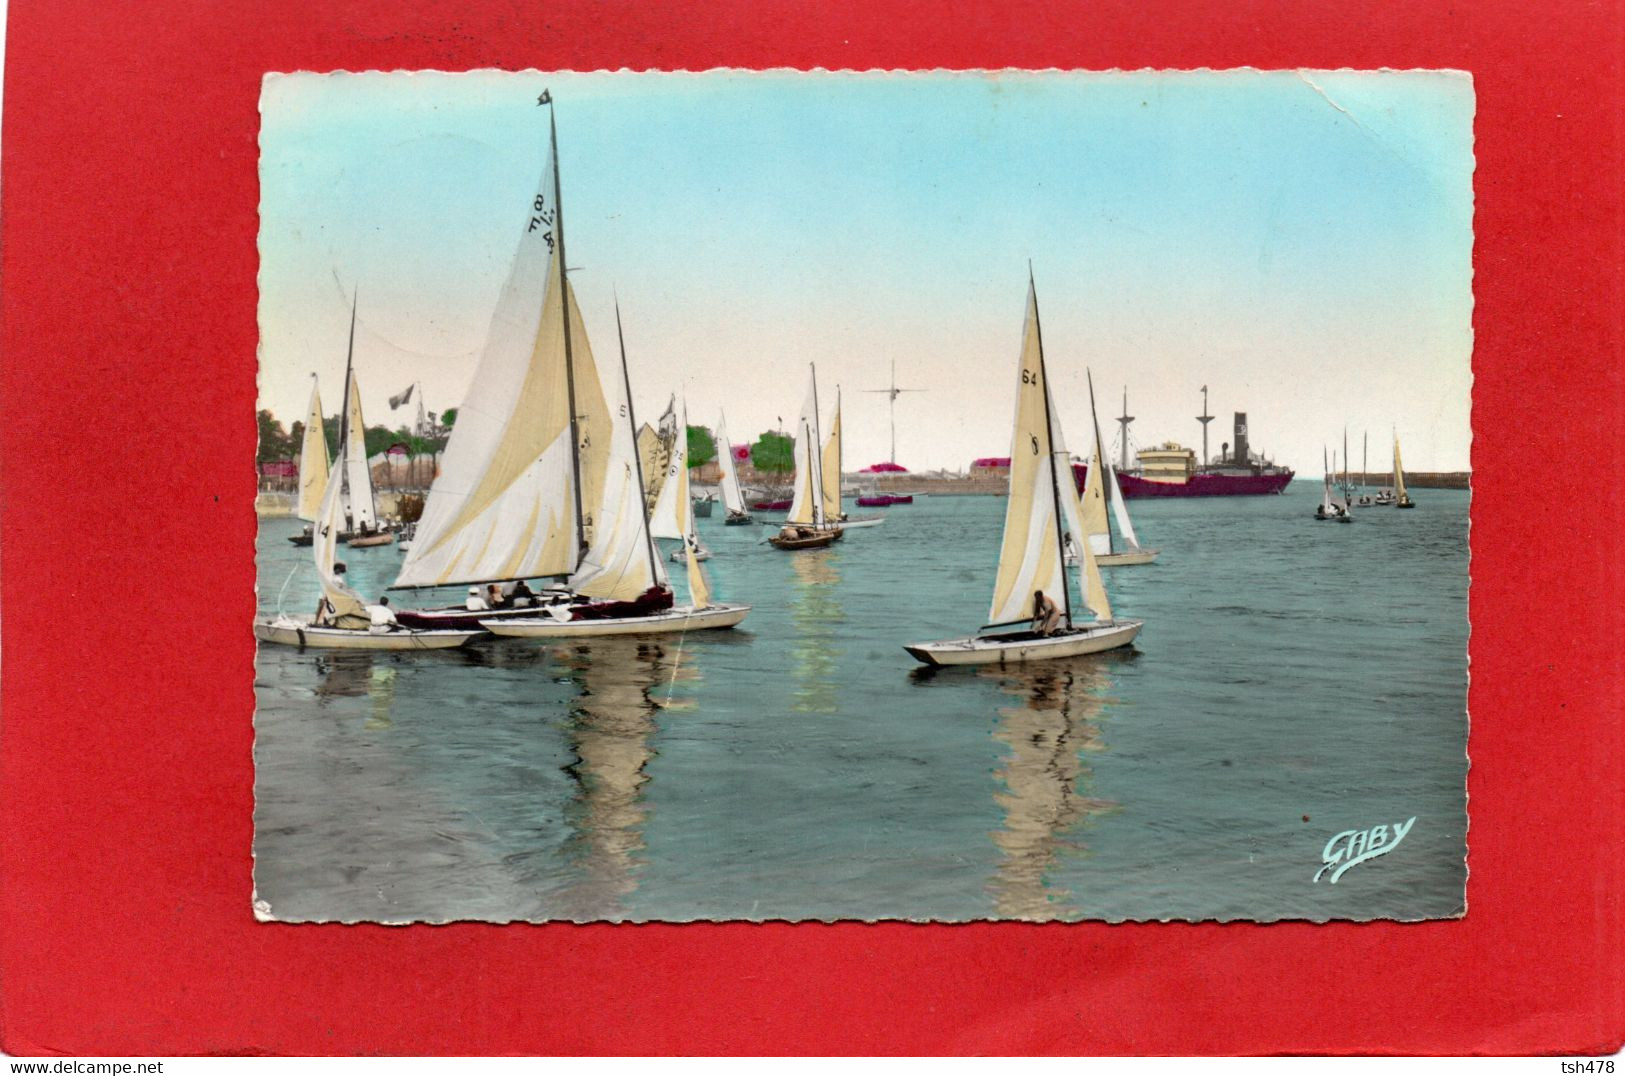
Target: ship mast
{"type": "Point", "coordinates": [1123, 422]}
{"type": "Point", "coordinates": [1204, 418]}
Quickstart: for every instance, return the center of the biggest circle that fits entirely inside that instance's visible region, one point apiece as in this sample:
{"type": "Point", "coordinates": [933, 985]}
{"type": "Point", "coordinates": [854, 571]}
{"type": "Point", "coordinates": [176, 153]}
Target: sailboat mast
{"type": "Point", "coordinates": [1049, 436]}
{"type": "Point", "coordinates": [344, 409]}
{"type": "Point", "coordinates": [816, 443]}
{"type": "Point", "coordinates": [893, 406]}
{"type": "Point", "coordinates": [840, 452]}
{"type": "Point", "coordinates": [637, 457]}
{"type": "Point", "coordinates": [569, 360]}
{"type": "Point", "coordinates": [1100, 460]}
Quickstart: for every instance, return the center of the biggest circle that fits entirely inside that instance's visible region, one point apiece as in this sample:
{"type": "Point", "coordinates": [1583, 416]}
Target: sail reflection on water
{"type": "Point", "coordinates": [624, 683]}
{"type": "Point", "coordinates": [816, 614]}
{"type": "Point", "coordinates": [1045, 797]}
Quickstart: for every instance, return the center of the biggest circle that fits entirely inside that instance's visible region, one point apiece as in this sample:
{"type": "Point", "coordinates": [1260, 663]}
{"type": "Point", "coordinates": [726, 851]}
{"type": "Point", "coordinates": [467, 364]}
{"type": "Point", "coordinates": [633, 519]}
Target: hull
{"type": "Point", "coordinates": [702, 509]}
{"type": "Point", "coordinates": [461, 619]}
{"type": "Point", "coordinates": [684, 618]}
{"type": "Point", "coordinates": [862, 521]}
{"type": "Point", "coordinates": [1201, 485]}
{"type": "Point", "coordinates": [771, 506]}
{"type": "Point", "coordinates": [1026, 646]}
{"type": "Point", "coordinates": [814, 541]}
{"type": "Point", "coordinates": [679, 556]}
{"type": "Point", "coordinates": [1122, 559]}
{"type": "Point", "coordinates": [881, 500]}
{"type": "Point", "coordinates": [371, 540]}
{"type": "Point", "coordinates": [289, 632]}
{"type": "Point", "coordinates": [739, 521]}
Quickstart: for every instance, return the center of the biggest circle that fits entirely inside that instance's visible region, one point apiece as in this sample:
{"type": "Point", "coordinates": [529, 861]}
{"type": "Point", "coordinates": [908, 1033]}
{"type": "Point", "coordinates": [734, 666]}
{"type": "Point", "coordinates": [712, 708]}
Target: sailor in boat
{"type": "Point", "coordinates": [383, 617]}
{"type": "Point", "coordinates": [1070, 547]}
{"type": "Point", "coordinates": [475, 603]}
{"type": "Point", "coordinates": [522, 597]}
{"type": "Point", "coordinates": [1046, 614]}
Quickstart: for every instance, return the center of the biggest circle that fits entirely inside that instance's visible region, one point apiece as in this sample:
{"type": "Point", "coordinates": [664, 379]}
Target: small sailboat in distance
{"type": "Point", "coordinates": [806, 526]}
{"type": "Point", "coordinates": [1401, 498]}
{"type": "Point", "coordinates": [829, 477]}
{"type": "Point", "coordinates": [733, 498]}
{"type": "Point", "coordinates": [1099, 486]}
{"type": "Point", "coordinates": [1331, 505]}
{"type": "Point", "coordinates": [313, 467]}
{"type": "Point", "coordinates": [1032, 617]}
{"type": "Point", "coordinates": [673, 515]}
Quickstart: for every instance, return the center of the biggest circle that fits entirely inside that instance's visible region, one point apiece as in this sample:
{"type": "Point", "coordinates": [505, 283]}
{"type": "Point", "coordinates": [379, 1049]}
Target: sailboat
{"type": "Point", "coordinates": [541, 480]}
{"type": "Point", "coordinates": [807, 526]}
{"type": "Point", "coordinates": [1331, 505]}
{"type": "Point", "coordinates": [1401, 498]}
{"type": "Point", "coordinates": [361, 503]}
{"type": "Point", "coordinates": [1365, 500]}
{"type": "Point", "coordinates": [1099, 486]}
{"type": "Point", "coordinates": [829, 477]}
{"type": "Point", "coordinates": [313, 468]}
{"type": "Point", "coordinates": [673, 515]}
{"type": "Point", "coordinates": [1032, 555]}
{"type": "Point", "coordinates": [342, 618]}
{"type": "Point", "coordinates": [733, 498]}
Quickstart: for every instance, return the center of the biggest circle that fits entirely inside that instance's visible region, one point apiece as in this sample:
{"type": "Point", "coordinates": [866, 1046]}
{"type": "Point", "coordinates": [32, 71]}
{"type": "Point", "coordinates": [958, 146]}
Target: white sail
{"type": "Point", "coordinates": [1114, 490]}
{"type": "Point", "coordinates": [1093, 506]}
{"type": "Point", "coordinates": [829, 464]}
{"type": "Point", "coordinates": [672, 509]}
{"type": "Point", "coordinates": [808, 505]}
{"type": "Point", "coordinates": [341, 606]}
{"type": "Point", "coordinates": [359, 505]}
{"type": "Point", "coordinates": [1399, 473]}
{"type": "Point", "coordinates": [313, 462]}
{"type": "Point", "coordinates": [733, 498]}
{"type": "Point", "coordinates": [1030, 554]}
{"type": "Point", "coordinates": [621, 564]}
{"type": "Point", "coordinates": [504, 503]}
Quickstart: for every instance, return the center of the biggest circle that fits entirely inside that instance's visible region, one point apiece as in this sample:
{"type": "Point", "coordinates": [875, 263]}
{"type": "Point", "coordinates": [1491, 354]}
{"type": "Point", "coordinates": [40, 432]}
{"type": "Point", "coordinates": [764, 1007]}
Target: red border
{"type": "Point", "coordinates": [129, 271]}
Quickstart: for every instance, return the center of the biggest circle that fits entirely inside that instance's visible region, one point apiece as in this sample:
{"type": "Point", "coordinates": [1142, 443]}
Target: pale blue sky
{"type": "Point", "coordinates": [1300, 243]}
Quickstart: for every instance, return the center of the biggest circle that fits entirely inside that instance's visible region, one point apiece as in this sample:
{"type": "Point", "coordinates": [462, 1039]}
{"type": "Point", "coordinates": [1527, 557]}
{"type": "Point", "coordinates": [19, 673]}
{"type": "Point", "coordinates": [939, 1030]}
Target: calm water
{"type": "Point", "coordinates": [800, 768]}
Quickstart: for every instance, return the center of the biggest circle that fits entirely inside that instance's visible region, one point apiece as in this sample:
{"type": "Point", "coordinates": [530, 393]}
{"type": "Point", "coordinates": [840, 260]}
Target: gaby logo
{"type": "Point", "coordinates": [1358, 845]}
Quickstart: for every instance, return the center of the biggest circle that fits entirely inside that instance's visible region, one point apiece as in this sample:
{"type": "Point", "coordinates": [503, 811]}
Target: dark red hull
{"type": "Point", "coordinates": [653, 601]}
{"type": "Point", "coordinates": [882, 500]}
{"type": "Point", "coordinates": [1202, 485]}
{"type": "Point", "coordinates": [771, 506]}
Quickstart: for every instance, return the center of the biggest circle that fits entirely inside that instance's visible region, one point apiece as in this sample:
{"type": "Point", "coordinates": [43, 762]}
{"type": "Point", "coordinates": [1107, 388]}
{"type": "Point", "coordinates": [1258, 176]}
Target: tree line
{"type": "Point", "coordinates": [772, 452]}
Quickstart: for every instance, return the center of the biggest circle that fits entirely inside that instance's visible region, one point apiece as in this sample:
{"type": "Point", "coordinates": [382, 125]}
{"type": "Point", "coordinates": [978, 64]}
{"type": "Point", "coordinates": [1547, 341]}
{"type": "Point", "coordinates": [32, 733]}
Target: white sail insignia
{"type": "Point", "coordinates": [313, 462]}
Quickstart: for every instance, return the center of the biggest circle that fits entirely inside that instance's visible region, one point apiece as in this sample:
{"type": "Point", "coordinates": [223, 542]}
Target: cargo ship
{"type": "Point", "coordinates": [1172, 470]}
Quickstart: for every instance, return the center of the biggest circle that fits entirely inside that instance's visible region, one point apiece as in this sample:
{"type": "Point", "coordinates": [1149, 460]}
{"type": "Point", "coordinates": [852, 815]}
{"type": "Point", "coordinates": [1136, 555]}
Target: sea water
{"type": "Point", "coordinates": [1295, 681]}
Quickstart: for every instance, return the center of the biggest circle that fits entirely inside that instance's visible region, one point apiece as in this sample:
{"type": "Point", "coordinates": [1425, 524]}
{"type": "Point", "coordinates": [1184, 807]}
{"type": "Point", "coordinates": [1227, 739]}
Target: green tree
{"type": "Point", "coordinates": [773, 453]}
{"type": "Point", "coordinates": [448, 417]}
{"type": "Point", "coordinates": [274, 441]}
{"type": "Point", "coordinates": [702, 446]}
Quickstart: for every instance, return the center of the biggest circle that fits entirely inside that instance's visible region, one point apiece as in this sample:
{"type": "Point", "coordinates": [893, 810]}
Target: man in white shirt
{"type": "Point", "coordinates": [475, 603]}
{"type": "Point", "coordinates": [382, 616]}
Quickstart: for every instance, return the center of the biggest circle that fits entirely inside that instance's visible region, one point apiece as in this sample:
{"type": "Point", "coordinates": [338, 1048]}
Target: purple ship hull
{"type": "Point", "coordinates": [1200, 485]}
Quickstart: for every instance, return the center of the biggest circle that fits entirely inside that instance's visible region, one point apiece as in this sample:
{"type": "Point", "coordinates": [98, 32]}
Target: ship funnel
{"type": "Point", "coordinates": [1242, 456]}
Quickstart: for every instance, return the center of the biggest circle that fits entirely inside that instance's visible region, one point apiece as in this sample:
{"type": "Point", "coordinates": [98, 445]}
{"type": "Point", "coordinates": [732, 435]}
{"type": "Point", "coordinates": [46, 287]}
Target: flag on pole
{"type": "Point", "coordinates": [397, 400]}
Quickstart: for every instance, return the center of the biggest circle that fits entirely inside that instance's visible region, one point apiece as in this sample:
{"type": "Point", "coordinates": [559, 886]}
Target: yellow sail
{"type": "Point", "coordinates": [654, 456]}
{"type": "Point", "coordinates": [1399, 473]}
{"type": "Point", "coordinates": [699, 592]}
{"type": "Point", "coordinates": [594, 431]}
{"type": "Point", "coordinates": [831, 464]}
{"type": "Point", "coordinates": [807, 506]}
{"type": "Point", "coordinates": [1093, 506]}
{"type": "Point", "coordinates": [1030, 554]}
{"type": "Point", "coordinates": [313, 463]}
{"type": "Point", "coordinates": [1094, 587]}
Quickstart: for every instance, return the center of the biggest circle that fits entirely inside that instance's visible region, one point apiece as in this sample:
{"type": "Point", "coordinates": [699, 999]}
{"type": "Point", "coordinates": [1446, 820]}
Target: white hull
{"type": "Point", "coordinates": [1117, 560]}
{"type": "Point", "coordinates": [289, 631]}
{"type": "Point", "coordinates": [679, 556]}
{"type": "Point", "coordinates": [682, 618]}
{"type": "Point", "coordinates": [862, 521]}
{"type": "Point", "coordinates": [1026, 646]}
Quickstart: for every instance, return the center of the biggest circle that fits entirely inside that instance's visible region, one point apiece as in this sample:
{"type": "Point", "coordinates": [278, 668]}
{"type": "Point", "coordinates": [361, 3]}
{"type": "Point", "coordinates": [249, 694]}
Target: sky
{"type": "Point", "coordinates": [1298, 242]}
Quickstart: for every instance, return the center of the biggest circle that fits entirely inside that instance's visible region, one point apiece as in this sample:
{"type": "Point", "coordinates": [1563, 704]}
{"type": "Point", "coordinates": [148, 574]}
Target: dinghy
{"type": "Point", "coordinates": [313, 468]}
{"type": "Point", "coordinates": [343, 620]}
{"type": "Point", "coordinates": [1032, 553]}
{"type": "Point", "coordinates": [807, 526]}
{"type": "Point", "coordinates": [1331, 506]}
{"type": "Point", "coordinates": [1099, 486]}
{"type": "Point", "coordinates": [541, 479]}
{"type": "Point", "coordinates": [733, 498]}
{"type": "Point", "coordinates": [1401, 498]}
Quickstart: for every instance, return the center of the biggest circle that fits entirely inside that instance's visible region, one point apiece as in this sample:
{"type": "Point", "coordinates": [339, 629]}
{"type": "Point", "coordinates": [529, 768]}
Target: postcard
{"type": "Point", "coordinates": [928, 496]}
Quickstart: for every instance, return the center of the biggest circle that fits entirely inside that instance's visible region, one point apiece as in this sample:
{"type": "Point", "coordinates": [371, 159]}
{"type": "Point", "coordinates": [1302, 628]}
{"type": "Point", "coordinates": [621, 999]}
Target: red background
{"type": "Point", "coordinates": [129, 271]}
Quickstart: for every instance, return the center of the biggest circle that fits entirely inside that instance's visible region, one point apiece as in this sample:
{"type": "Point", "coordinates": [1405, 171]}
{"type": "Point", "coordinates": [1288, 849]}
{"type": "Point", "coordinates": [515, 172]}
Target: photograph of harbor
{"type": "Point", "coordinates": [829, 496]}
